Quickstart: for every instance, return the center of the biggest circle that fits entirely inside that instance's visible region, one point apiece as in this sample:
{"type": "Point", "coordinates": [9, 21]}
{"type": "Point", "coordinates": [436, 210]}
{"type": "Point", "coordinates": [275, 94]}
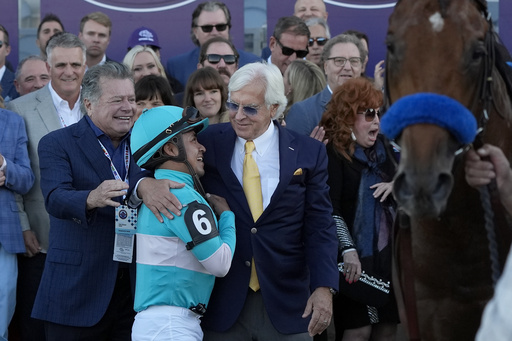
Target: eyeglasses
{"type": "Point", "coordinates": [248, 110]}
{"type": "Point", "coordinates": [340, 61]}
{"type": "Point", "coordinates": [209, 28]}
{"type": "Point", "coordinates": [287, 51]}
{"type": "Point", "coordinates": [215, 58]}
{"type": "Point", "coordinates": [320, 41]}
{"type": "Point", "coordinates": [369, 114]}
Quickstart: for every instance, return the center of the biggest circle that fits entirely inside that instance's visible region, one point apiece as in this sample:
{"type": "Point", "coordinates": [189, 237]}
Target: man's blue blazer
{"type": "Point", "coordinates": [8, 88]}
{"type": "Point", "coordinates": [304, 116]}
{"type": "Point", "coordinates": [18, 179]}
{"type": "Point", "coordinates": [79, 274]}
{"type": "Point", "coordinates": [293, 243]}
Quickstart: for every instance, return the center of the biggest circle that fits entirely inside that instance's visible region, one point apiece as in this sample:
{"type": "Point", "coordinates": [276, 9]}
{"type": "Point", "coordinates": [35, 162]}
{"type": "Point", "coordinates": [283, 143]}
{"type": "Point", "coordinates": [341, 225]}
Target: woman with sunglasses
{"type": "Point", "coordinates": [207, 92]}
{"type": "Point", "coordinates": [361, 168]}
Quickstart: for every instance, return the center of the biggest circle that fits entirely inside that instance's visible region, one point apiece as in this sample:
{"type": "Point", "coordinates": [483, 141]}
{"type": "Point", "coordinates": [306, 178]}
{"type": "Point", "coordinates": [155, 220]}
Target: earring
{"type": "Point", "coordinates": [352, 135]}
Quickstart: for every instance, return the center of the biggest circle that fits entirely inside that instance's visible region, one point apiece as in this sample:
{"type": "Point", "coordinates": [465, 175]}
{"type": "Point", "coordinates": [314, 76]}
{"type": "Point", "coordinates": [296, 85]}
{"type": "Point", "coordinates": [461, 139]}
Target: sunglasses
{"type": "Point", "coordinates": [248, 110]}
{"type": "Point", "coordinates": [320, 41]}
{"type": "Point", "coordinates": [369, 114]}
{"type": "Point", "coordinates": [289, 51]}
{"type": "Point", "coordinates": [215, 58]}
{"type": "Point", "coordinates": [209, 28]}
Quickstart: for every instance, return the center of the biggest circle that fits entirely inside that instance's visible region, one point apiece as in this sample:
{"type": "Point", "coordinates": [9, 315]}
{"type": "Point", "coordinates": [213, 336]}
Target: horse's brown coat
{"type": "Point", "coordinates": [451, 259]}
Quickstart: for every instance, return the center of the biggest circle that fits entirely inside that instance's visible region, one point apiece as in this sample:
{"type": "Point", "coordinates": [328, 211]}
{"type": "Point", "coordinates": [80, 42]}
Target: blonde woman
{"type": "Point", "coordinates": [143, 61]}
{"type": "Point", "coordinates": [302, 79]}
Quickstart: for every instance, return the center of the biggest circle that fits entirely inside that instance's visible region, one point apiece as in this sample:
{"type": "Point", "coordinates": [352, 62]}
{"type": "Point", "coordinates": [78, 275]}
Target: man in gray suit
{"type": "Point", "coordinates": [342, 58]}
{"type": "Point", "coordinates": [54, 106]}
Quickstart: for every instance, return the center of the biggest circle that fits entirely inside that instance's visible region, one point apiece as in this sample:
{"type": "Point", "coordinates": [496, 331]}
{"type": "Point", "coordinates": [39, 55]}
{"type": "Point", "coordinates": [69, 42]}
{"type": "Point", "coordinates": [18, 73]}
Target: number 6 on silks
{"type": "Point", "coordinates": [200, 223]}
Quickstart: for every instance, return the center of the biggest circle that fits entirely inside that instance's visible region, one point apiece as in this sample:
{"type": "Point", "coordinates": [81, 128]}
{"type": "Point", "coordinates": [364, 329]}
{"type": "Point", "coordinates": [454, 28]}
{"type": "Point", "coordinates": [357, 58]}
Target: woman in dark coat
{"type": "Point", "coordinates": [361, 169]}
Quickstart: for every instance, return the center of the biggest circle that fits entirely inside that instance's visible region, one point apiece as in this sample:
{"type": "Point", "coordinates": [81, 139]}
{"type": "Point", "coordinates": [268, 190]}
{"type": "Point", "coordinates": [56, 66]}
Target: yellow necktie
{"type": "Point", "coordinates": [252, 188]}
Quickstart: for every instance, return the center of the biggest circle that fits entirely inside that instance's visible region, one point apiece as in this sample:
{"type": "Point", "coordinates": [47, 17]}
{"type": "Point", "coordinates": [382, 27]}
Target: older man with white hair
{"type": "Point", "coordinates": [284, 271]}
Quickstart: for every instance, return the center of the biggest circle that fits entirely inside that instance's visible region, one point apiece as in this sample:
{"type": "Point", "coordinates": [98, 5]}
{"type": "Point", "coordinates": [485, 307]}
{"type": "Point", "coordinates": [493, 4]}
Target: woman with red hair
{"type": "Point", "coordinates": [361, 169]}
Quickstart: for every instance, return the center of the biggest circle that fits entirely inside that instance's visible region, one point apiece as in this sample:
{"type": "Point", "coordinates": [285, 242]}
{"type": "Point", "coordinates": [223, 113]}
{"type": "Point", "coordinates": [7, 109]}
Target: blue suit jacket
{"type": "Point", "coordinates": [293, 242]}
{"type": "Point", "coordinates": [18, 179]}
{"type": "Point", "coordinates": [182, 66]}
{"type": "Point", "coordinates": [304, 116]}
{"type": "Point", "coordinates": [8, 89]}
{"type": "Point", "coordinates": [79, 274]}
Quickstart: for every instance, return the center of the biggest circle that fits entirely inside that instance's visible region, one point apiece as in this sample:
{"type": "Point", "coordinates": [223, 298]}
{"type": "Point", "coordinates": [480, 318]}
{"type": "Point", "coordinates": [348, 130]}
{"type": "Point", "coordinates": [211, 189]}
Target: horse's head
{"type": "Point", "coordinates": [434, 47]}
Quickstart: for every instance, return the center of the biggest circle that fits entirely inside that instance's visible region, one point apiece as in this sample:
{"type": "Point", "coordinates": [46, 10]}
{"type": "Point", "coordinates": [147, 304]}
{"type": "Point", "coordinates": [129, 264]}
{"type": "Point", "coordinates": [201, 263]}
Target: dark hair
{"type": "Point", "coordinates": [47, 18]}
{"type": "Point", "coordinates": [360, 35]}
{"type": "Point", "coordinates": [339, 118]}
{"type": "Point", "coordinates": [150, 86]}
{"type": "Point", "coordinates": [218, 39]}
{"type": "Point", "coordinates": [208, 6]}
{"type": "Point", "coordinates": [91, 84]}
{"type": "Point", "coordinates": [292, 25]}
{"type": "Point", "coordinates": [207, 78]}
{"type": "Point", "coordinates": [6, 35]}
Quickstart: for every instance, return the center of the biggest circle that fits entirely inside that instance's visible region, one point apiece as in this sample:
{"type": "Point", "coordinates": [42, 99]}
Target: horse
{"type": "Point", "coordinates": [447, 48]}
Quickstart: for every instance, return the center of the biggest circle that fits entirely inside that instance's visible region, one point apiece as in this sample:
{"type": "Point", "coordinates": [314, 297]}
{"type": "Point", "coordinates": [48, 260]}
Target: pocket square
{"type": "Point", "coordinates": [298, 172]}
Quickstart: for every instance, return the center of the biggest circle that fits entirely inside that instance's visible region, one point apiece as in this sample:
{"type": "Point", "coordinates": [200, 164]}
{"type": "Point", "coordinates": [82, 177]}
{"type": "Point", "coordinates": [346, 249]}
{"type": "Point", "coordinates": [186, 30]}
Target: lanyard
{"type": "Point", "coordinates": [113, 168]}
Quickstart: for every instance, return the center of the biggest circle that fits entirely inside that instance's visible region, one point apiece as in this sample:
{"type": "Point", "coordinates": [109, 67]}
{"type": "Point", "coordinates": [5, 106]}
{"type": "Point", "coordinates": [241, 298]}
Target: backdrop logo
{"type": "Point", "coordinates": [362, 4]}
{"type": "Point", "coordinates": [140, 6]}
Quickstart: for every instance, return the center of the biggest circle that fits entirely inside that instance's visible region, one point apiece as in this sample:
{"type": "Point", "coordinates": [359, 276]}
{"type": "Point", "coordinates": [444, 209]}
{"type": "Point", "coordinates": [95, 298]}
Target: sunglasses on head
{"type": "Point", "coordinates": [287, 51]}
{"type": "Point", "coordinates": [320, 41]}
{"type": "Point", "coordinates": [369, 114]}
{"type": "Point", "coordinates": [215, 58]}
{"type": "Point", "coordinates": [209, 28]}
{"type": "Point", "coordinates": [248, 110]}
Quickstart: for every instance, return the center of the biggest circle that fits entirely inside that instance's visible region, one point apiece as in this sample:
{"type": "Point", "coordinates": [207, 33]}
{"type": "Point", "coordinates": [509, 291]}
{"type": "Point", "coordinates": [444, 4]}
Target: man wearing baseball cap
{"type": "Point", "coordinates": [145, 36]}
{"type": "Point", "coordinates": [177, 260]}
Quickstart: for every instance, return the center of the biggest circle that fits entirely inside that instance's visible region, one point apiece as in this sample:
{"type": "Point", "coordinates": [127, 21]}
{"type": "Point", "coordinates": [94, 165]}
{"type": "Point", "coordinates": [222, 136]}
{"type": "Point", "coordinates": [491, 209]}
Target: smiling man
{"type": "Point", "coordinates": [342, 59]}
{"type": "Point", "coordinates": [54, 106]}
{"type": "Point", "coordinates": [95, 31]}
{"type": "Point", "coordinates": [31, 75]}
{"type": "Point", "coordinates": [85, 171]}
{"type": "Point", "coordinates": [284, 270]}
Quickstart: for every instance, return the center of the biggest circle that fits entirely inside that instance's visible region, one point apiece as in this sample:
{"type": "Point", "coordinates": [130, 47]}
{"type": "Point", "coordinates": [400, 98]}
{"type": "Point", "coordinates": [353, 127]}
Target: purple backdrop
{"type": "Point", "coordinates": [171, 20]}
{"type": "Point", "coordinates": [171, 24]}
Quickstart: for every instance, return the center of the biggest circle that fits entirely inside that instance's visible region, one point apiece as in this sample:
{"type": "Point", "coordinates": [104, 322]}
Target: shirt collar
{"type": "Point", "coordinates": [57, 100]}
{"type": "Point", "coordinates": [262, 142]}
{"type": "Point", "coordinates": [2, 71]}
{"type": "Point", "coordinates": [98, 132]}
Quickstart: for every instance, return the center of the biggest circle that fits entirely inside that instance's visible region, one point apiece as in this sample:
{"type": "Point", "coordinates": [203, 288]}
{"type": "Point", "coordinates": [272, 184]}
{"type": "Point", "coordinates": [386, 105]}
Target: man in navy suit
{"type": "Point", "coordinates": [86, 170]}
{"type": "Point", "coordinates": [210, 19]}
{"type": "Point", "coordinates": [8, 91]}
{"type": "Point", "coordinates": [293, 242]}
{"type": "Point", "coordinates": [15, 177]}
{"type": "Point", "coordinates": [343, 58]}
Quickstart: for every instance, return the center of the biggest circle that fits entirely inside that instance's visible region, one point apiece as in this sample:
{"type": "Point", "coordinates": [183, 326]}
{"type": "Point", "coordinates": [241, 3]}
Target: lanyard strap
{"type": "Point", "coordinates": [113, 168]}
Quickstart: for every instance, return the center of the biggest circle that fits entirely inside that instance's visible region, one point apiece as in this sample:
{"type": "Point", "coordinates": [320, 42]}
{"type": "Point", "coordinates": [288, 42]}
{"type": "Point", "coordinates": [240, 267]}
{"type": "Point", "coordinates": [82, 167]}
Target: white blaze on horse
{"type": "Point", "coordinates": [446, 78]}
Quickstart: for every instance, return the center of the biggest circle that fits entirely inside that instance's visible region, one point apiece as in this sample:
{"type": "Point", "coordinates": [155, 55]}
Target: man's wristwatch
{"type": "Point", "coordinates": [333, 291]}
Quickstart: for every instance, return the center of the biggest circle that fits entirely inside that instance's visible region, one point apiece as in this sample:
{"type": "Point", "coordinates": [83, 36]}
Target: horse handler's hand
{"type": "Point", "coordinates": [320, 303]}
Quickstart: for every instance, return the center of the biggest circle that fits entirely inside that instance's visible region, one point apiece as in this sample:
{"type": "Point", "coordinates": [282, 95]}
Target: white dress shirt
{"type": "Point", "coordinates": [266, 155]}
{"type": "Point", "coordinates": [67, 116]}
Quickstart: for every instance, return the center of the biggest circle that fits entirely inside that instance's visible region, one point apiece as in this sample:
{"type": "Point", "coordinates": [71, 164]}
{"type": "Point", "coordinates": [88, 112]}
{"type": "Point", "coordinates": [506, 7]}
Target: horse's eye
{"type": "Point", "coordinates": [479, 52]}
{"type": "Point", "coordinates": [390, 44]}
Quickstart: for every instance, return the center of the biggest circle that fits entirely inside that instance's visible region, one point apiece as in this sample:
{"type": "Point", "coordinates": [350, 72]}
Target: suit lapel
{"type": "Point", "coordinates": [325, 97]}
{"type": "Point", "coordinates": [88, 143]}
{"type": "Point", "coordinates": [46, 110]}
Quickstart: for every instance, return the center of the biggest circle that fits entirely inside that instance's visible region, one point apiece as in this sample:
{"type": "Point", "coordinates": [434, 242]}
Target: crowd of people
{"type": "Point", "coordinates": [223, 196]}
